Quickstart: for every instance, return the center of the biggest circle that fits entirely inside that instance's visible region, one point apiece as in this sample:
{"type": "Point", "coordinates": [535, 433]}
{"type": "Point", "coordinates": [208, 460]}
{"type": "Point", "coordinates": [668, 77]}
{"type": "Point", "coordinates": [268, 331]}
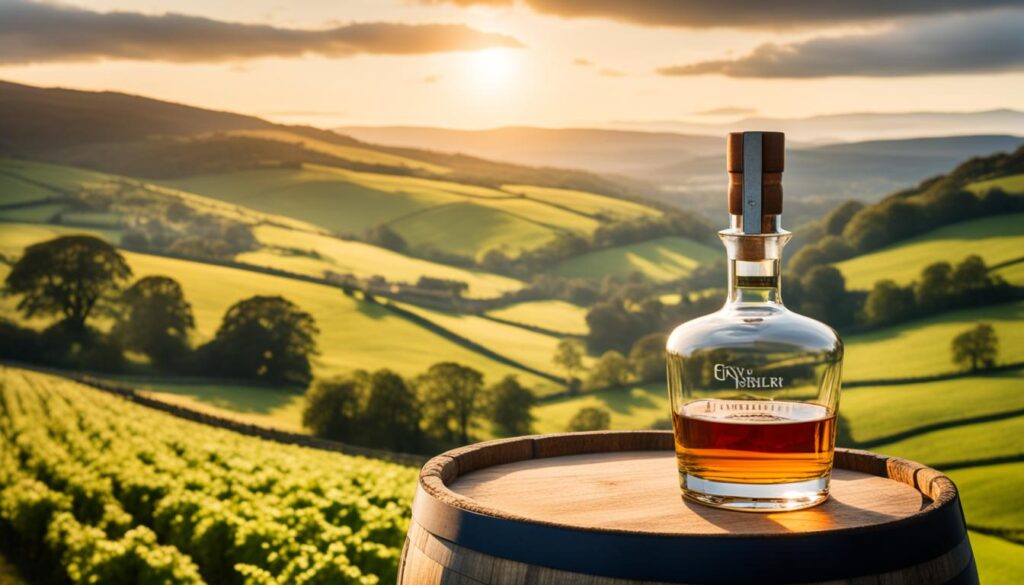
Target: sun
{"type": "Point", "coordinates": [493, 69]}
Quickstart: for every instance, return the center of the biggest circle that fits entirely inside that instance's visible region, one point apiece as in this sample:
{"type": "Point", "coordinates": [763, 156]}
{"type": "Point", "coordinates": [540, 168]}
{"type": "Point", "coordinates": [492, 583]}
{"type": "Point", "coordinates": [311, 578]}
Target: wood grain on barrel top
{"type": "Point", "coordinates": [639, 491]}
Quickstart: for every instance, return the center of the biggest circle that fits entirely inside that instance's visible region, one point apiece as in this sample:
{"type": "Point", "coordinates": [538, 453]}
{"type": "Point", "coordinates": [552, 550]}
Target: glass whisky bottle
{"type": "Point", "coordinates": [754, 387]}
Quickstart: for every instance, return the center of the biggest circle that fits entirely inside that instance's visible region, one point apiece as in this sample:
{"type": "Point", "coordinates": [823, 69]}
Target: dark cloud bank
{"type": "Point", "coordinates": [983, 43]}
{"type": "Point", "coordinates": [743, 13]}
{"type": "Point", "coordinates": [31, 32]}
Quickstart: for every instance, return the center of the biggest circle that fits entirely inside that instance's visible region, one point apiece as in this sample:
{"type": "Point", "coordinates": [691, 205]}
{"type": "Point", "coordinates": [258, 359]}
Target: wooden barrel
{"type": "Point", "coordinates": [605, 509]}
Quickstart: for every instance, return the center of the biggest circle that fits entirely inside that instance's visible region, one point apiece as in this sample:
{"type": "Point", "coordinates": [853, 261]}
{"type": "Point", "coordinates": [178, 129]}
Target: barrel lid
{"type": "Point", "coordinates": [608, 504]}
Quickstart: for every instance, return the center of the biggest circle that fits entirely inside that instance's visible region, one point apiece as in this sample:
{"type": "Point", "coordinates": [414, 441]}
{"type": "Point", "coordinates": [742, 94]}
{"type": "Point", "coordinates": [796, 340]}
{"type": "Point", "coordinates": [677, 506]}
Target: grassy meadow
{"type": "Point", "coordinates": [996, 239]}
{"type": "Point", "coordinates": [558, 316]}
{"type": "Point", "coordinates": [660, 260]}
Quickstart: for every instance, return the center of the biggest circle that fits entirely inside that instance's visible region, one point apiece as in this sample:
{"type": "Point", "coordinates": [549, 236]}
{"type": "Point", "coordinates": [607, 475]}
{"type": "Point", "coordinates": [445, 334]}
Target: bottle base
{"type": "Point", "coordinates": [747, 497]}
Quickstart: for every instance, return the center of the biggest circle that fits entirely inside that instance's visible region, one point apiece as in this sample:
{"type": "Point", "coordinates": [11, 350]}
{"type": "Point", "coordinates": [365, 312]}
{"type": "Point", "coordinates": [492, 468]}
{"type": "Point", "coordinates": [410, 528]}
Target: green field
{"type": "Point", "coordinates": [996, 239]}
{"type": "Point", "coordinates": [1009, 183]}
{"type": "Point", "coordinates": [987, 502]}
{"type": "Point", "coordinates": [922, 347]}
{"type": "Point", "coordinates": [527, 347]}
{"type": "Point", "coordinates": [999, 562]}
{"type": "Point", "coordinates": [55, 177]}
{"type": "Point", "coordinates": [335, 199]}
{"type": "Point", "coordinates": [396, 342]}
{"type": "Point", "coordinates": [881, 411]}
{"type": "Point", "coordinates": [1002, 438]}
{"type": "Point", "coordinates": [557, 316]}
{"type": "Point", "coordinates": [543, 214]}
{"type": "Point", "coordinates": [343, 151]}
{"type": "Point", "coordinates": [363, 260]}
{"type": "Point", "coordinates": [14, 190]}
{"type": "Point", "coordinates": [584, 202]}
{"type": "Point", "coordinates": [1013, 273]}
{"type": "Point", "coordinates": [471, 230]}
{"type": "Point", "coordinates": [659, 260]}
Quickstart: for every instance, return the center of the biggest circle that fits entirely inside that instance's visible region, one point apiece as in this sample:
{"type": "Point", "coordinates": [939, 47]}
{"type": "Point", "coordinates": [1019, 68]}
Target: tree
{"type": "Point", "coordinates": [824, 295]}
{"type": "Point", "coordinates": [334, 408]}
{"type": "Point", "coordinates": [888, 303]}
{"type": "Point", "coordinates": [267, 338]}
{"type": "Point", "coordinates": [647, 357]}
{"type": "Point", "coordinates": [156, 320]}
{"type": "Point", "coordinates": [935, 289]}
{"type": "Point", "coordinates": [393, 413]}
{"type": "Point", "coordinates": [452, 396]}
{"type": "Point", "coordinates": [569, 356]}
{"type": "Point", "coordinates": [590, 418]}
{"type": "Point", "coordinates": [976, 348]}
{"type": "Point", "coordinates": [611, 370]}
{"type": "Point", "coordinates": [71, 276]}
{"type": "Point", "coordinates": [970, 277]}
{"type": "Point", "coordinates": [510, 405]}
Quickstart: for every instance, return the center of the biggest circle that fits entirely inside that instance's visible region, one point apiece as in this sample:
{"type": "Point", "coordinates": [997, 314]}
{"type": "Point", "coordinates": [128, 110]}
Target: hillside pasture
{"type": "Point", "coordinates": [1012, 273]}
{"type": "Point", "coordinates": [922, 347]}
{"type": "Point", "coordinates": [543, 214]}
{"type": "Point", "coordinates": [357, 154]}
{"type": "Point", "coordinates": [559, 316]}
{"type": "Point", "coordinates": [470, 230]}
{"type": "Point", "coordinates": [996, 239]}
{"type": "Point", "coordinates": [1000, 562]}
{"type": "Point", "coordinates": [312, 254]}
{"type": "Point", "coordinates": [659, 260]}
{"type": "Point", "coordinates": [333, 199]}
{"type": "Point", "coordinates": [15, 190]}
{"type": "Point", "coordinates": [529, 348]}
{"type": "Point", "coordinates": [877, 412]}
{"type": "Point", "coordinates": [1009, 183]}
{"type": "Point", "coordinates": [986, 500]}
{"type": "Point", "coordinates": [962, 444]}
{"type": "Point", "coordinates": [354, 334]}
{"type": "Point", "coordinates": [584, 202]}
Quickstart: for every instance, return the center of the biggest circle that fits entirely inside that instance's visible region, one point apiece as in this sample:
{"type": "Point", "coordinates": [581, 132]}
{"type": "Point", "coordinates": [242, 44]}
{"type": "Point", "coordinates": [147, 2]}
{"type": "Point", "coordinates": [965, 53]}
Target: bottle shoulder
{"type": "Point", "coordinates": [746, 326]}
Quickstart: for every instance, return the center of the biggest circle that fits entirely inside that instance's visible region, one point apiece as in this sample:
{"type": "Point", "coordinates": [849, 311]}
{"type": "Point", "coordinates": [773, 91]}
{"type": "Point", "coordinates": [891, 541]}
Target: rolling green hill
{"type": "Point", "coordinates": [922, 347]}
{"type": "Point", "coordinates": [343, 321]}
{"type": "Point", "coordinates": [588, 203]}
{"type": "Point", "coordinates": [557, 316]}
{"type": "Point", "coordinates": [996, 239]}
{"type": "Point", "coordinates": [312, 254]}
{"type": "Point", "coordinates": [660, 260]}
{"type": "Point", "coordinates": [470, 230]}
{"type": "Point", "coordinates": [1009, 183]}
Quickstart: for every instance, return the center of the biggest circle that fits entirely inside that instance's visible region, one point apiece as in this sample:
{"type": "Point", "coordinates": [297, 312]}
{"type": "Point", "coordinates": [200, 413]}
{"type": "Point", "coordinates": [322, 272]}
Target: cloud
{"type": "Point", "coordinates": [609, 72]}
{"type": "Point", "coordinates": [431, 79]}
{"type": "Point", "coordinates": [582, 62]}
{"type": "Point", "coordinates": [990, 42]}
{"type": "Point", "coordinates": [31, 32]}
{"type": "Point", "coordinates": [727, 111]}
{"type": "Point", "coordinates": [743, 13]}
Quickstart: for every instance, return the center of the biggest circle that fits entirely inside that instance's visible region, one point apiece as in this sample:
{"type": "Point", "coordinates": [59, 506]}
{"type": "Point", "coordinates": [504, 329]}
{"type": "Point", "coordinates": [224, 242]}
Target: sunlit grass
{"type": "Point", "coordinates": [660, 260]}
{"type": "Point", "coordinates": [558, 316]}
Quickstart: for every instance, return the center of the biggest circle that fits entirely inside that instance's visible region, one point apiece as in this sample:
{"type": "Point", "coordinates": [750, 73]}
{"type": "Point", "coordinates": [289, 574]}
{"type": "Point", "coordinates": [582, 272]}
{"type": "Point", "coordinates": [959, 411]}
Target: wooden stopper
{"type": "Point", "coordinates": [773, 156]}
{"type": "Point", "coordinates": [604, 508]}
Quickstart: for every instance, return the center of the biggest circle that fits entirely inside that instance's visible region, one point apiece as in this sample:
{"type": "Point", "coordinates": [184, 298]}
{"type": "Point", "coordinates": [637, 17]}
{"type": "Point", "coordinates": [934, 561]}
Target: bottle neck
{"type": "Point", "coordinates": [755, 267]}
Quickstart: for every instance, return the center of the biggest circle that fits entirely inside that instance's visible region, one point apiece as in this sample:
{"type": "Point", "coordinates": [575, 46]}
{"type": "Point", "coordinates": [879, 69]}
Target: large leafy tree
{"type": "Point", "coordinates": [70, 276]}
{"type": "Point", "coordinates": [392, 415]}
{"type": "Point", "coordinates": [156, 319]}
{"type": "Point", "coordinates": [267, 338]}
{"type": "Point", "coordinates": [334, 409]}
{"type": "Point", "coordinates": [976, 348]}
{"type": "Point", "coordinates": [590, 418]}
{"type": "Point", "coordinates": [510, 405]}
{"type": "Point", "coordinates": [452, 397]}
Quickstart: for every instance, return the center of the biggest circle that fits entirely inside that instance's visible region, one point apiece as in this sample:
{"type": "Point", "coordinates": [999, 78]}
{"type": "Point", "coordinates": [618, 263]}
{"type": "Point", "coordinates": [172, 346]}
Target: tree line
{"type": "Point", "coordinates": [79, 279]}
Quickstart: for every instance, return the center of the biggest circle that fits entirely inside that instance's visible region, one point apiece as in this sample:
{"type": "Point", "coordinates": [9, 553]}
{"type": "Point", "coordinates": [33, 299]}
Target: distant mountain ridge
{"type": "Point", "coordinates": [855, 126]}
{"type": "Point", "coordinates": [34, 119]}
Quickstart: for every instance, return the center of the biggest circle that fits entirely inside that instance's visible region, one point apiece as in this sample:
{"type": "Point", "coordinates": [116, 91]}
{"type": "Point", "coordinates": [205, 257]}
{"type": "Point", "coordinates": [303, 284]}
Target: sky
{"type": "Point", "coordinates": [556, 63]}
